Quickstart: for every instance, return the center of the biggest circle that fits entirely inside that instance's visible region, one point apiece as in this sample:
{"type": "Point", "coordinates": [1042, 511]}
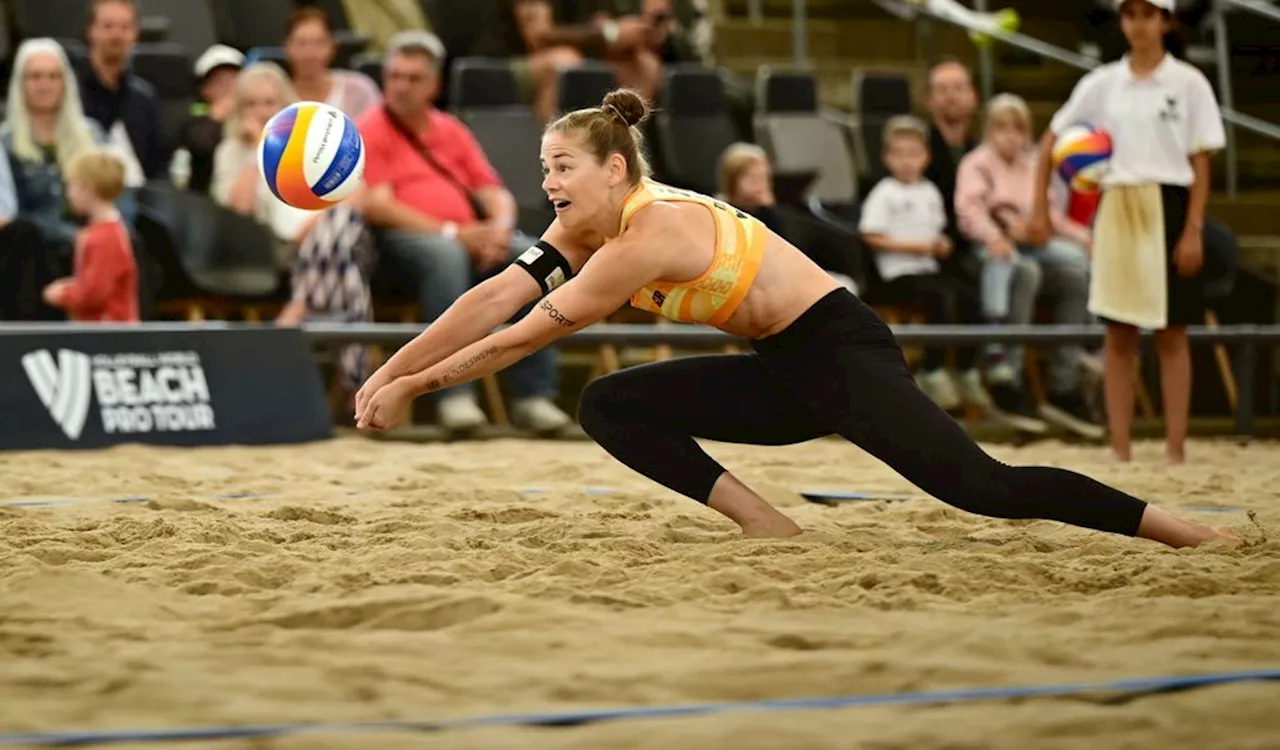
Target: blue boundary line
{"type": "Point", "coordinates": [1140, 685]}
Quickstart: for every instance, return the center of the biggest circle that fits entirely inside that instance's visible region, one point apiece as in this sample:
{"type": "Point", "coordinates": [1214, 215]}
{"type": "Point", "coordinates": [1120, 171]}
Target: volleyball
{"type": "Point", "coordinates": [1081, 156]}
{"type": "Point", "coordinates": [311, 155]}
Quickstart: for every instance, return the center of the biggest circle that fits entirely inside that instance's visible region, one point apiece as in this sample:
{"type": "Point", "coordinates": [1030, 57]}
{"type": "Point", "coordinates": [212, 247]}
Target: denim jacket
{"type": "Point", "coordinates": [41, 195]}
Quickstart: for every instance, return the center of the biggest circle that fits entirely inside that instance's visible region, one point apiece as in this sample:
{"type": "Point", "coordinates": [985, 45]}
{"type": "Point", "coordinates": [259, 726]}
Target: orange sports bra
{"type": "Point", "coordinates": [714, 296]}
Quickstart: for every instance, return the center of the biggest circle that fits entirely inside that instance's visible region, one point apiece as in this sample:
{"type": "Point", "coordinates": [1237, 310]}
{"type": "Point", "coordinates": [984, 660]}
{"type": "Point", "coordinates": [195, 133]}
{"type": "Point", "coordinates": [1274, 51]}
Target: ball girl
{"type": "Point", "coordinates": [1148, 236]}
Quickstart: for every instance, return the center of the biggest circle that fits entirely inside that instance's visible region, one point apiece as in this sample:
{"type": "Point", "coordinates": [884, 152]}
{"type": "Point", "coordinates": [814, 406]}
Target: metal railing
{"type": "Point", "coordinates": [1222, 49]}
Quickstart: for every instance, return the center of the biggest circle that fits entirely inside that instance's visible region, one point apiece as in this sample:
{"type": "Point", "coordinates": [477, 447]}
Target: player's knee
{"type": "Point", "coordinates": [601, 403]}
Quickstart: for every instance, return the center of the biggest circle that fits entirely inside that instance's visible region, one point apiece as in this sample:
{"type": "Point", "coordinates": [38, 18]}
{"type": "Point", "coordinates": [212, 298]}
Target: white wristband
{"type": "Point", "coordinates": [449, 230]}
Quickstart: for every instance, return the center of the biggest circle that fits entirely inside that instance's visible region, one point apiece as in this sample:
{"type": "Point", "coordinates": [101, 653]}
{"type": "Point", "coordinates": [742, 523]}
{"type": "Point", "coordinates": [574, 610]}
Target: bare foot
{"type": "Point", "coordinates": [1175, 457]}
{"type": "Point", "coordinates": [1121, 456]}
{"type": "Point", "coordinates": [753, 513]}
{"type": "Point", "coordinates": [1161, 526]}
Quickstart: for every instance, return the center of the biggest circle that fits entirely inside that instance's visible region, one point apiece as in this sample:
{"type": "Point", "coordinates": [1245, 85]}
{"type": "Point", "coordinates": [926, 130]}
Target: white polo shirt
{"type": "Point", "coordinates": [1156, 123]}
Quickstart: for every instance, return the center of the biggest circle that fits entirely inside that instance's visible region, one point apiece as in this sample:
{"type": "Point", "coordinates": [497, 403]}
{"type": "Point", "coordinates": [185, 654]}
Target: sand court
{"type": "Point", "coordinates": [356, 580]}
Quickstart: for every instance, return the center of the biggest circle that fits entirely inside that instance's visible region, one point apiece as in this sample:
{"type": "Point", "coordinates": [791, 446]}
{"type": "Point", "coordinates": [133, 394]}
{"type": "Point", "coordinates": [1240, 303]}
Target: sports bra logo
{"type": "Point", "coordinates": [659, 298]}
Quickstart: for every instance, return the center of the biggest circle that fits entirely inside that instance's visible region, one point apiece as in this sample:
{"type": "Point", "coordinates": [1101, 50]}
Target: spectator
{"type": "Point", "coordinates": [444, 216]}
{"type": "Point", "coordinates": [746, 182]}
{"type": "Point", "coordinates": [104, 287]}
{"type": "Point", "coordinates": [952, 102]}
{"type": "Point", "coordinates": [538, 55]}
{"type": "Point", "coordinates": [44, 130]}
{"type": "Point", "coordinates": [199, 135]}
{"type": "Point", "coordinates": [310, 49]}
{"type": "Point", "coordinates": [904, 222]}
{"type": "Point", "coordinates": [125, 106]}
{"type": "Point", "coordinates": [995, 195]}
{"type": "Point", "coordinates": [262, 89]}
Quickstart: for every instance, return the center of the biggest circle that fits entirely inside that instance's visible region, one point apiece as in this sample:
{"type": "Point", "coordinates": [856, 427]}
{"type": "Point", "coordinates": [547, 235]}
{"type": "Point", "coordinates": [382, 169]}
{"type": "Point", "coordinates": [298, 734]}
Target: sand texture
{"type": "Point", "coordinates": [369, 580]}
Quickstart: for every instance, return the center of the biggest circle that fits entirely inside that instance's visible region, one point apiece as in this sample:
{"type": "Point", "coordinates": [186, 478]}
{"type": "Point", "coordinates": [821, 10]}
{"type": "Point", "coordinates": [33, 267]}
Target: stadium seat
{"type": "Point", "coordinates": [799, 139]}
{"type": "Point", "coordinates": [877, 96]}
{"type": "Point", "coordinates": [693, 127]}
{"type": "Point", "coordinates": [262, 23]}
{"type": "Point", "coordinates": [228, 259]}
{"type": "Point", "coordinates": [191, 23]}
{"type": "Point", "coordinates": [486, 98]}
{"type": "Point", "coordinates": [585, 85]}
{"type": "Point", "coordinates": [167, 67]}
{"type": "Point", "coordinates": [60, 19]}
{"type": "Point", "coordinates": [370, 65]}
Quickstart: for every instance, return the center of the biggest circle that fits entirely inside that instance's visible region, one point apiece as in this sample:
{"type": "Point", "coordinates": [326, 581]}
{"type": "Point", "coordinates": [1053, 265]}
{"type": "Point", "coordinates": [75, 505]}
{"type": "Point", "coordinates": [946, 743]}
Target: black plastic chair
{"type": "Point", "coordinates": [584, 86]}
{"type": "Point", "coordinates": [694, 127]}
{"type": "Point", "coordinates": [167, 67]}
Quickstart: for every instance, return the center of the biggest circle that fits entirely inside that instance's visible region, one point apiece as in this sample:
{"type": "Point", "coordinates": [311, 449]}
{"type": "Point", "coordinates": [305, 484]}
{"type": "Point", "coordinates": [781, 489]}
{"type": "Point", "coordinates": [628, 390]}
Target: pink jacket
{"type": "Point", "coordinates": [987, 185]}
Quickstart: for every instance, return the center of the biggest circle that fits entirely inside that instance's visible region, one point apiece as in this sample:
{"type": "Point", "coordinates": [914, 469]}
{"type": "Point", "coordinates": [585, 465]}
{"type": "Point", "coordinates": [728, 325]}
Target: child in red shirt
{"type": "Point", "coordinates": [104, 287]}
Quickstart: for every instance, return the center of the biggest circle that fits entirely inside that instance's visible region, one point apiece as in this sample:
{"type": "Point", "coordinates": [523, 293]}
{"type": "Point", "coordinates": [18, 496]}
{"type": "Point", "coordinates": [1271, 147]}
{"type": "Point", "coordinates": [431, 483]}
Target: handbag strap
{"type": "Point", "coordinates": [422, 150]}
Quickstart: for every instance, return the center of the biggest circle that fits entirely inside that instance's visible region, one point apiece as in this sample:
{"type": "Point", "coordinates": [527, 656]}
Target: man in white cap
{"type": "Point", "coordinates": [215, 74]}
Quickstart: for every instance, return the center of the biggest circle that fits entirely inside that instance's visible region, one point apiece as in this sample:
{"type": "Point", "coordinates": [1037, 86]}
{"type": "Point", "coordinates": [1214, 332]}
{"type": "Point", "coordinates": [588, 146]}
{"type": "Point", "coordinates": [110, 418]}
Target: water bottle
{"type": "Point", "coordinates": [180, 168]}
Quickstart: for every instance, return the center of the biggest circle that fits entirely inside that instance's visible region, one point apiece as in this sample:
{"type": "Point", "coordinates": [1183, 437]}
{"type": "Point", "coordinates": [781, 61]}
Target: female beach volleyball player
{"type": "Point", "coordinates": [823, 362]}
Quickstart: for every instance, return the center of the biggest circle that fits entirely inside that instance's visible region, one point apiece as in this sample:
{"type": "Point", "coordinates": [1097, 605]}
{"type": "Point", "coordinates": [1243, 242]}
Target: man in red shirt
{"type": "Point", "coordinates": [423, 168]}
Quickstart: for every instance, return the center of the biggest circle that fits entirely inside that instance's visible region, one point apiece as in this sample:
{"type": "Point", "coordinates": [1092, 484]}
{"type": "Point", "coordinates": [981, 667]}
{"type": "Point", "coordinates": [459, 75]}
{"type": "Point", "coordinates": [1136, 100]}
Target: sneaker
{"type": "Point", "coordinates": [1013, 407]}
{"type": "Point", "coordinates": [461, 413]}
{"type": "Point", "coordinates": [539, 414]}
{"type": "Point", "coordinates": [1069, 411]}
{"type": "Point", "coordinates": [973, 392]}
{"type": "Point", "coordinates": [941, 387]}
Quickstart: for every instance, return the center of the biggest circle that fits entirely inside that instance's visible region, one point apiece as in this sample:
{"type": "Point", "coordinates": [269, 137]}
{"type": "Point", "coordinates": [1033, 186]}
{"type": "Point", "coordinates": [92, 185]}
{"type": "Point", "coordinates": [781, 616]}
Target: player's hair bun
{"type": "Point", "coordinates": [627, 105]}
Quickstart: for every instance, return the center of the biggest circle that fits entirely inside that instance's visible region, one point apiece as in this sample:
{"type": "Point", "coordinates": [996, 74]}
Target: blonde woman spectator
{"type": "Point", "coordinates": [309, 48]}
{"type": "Point", "coordinates": [45, 129]}
{"type": "Point", "coordinates": [262, 90]}
{"type": "Point", "coordinates": [995, 194]}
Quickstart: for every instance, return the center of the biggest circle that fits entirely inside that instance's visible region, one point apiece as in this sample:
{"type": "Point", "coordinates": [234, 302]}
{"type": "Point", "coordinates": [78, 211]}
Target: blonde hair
{"type": "Point", "coordinates": [101, 171]}
{"type": "Point", "coordinates": [1009, 107]}
{"type": "Point", "coordinates": [71, 132]}
{"type": "Point", "coordinates": [736, 160]}
{"type": "Point", "coordinates": [266, 70]}
{"type": "Point", "coordinates": [612, 128]}
{"type": "Point", "coordinates": [908, 126]}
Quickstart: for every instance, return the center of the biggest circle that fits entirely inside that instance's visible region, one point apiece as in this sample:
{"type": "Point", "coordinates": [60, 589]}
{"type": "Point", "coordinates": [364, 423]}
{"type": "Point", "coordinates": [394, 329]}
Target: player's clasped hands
{"type": "Point", "coordinates": [381, 401]}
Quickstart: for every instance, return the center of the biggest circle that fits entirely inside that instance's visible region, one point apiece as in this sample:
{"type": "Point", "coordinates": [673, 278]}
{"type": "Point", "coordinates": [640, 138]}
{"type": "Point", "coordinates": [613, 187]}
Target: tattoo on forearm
{"type": "Point", "coordinates": [433, 385]}
{"type": "Point", "coordinates": [555, 314]}
{"type": "Point", "coordinates": [475, 360]}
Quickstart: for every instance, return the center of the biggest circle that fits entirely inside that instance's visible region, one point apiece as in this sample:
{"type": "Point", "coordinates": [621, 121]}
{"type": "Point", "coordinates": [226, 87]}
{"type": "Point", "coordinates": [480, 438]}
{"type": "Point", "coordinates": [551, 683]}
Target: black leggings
{"type": "Point", "coordinates": [835, 370]}
{"type": "Point", "coordinates": [944, 299]}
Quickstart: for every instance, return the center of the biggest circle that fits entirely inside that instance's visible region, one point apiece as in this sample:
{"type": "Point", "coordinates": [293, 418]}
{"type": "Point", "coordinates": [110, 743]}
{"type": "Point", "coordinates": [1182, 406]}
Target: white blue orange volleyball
{"type": "Point", "coordinates": [311, 155]}
{"type": "Point", "coordinates": [1081, 156]}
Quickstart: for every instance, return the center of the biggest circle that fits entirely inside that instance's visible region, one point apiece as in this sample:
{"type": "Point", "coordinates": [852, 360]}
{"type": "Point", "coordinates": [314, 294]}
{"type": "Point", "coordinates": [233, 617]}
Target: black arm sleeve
{"type": "Point", "coordinates": [546, 265]}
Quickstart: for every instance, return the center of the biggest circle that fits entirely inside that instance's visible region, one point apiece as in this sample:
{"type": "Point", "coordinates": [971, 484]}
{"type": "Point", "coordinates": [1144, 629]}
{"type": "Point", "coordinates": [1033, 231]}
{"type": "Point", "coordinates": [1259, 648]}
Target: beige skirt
{"type": "Point", "coordinates": [1128, 281]}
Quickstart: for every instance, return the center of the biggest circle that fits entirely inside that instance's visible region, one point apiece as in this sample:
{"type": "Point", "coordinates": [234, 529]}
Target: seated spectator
{"type": "Point", "coordinates": [444, 217]}
{"type": "Point", "coordinates": [199, 135]}
{"type": "Point", "coordinates": [633, 40]}
{"type": "Point", "coordinates": [262, 89]}
{"type": "Point", "coordinates": [904, 223]}
{"type": "Point", "coordinates": [104, 283]}
{"type": "Point", "coordinates": [310, 49]}
{"type": "Point", "coordinates": [124, 106]}
{"type": "Point", "coordinates": [45, 128]}
{"type": "Point", "coordinates": [995, 189]}
{"type": "Point", "coordinates": [746, 182]}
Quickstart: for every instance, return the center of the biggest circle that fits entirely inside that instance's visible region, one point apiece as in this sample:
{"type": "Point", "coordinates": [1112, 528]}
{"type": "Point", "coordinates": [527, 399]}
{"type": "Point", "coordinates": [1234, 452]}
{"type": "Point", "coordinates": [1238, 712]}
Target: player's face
{"type": "Point", "coordinates": [42, 83]}
{"type": "Point", "coordinates": [1007, 137]}
{"type": "Point", "coordinates": [906, 157]}
{"type": "Point", "coordinates": [309, 48]}
{"type": "Point", "coordinates": [576, 183]}
{"type": "Point", "coordinates": [1144, 25]}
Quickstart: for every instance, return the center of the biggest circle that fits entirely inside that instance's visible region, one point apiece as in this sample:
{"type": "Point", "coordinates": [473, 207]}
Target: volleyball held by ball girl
{"type": "Point", "coordinates": [822, 363]}
{"type": "Point", "coordinates": [1164, 124]}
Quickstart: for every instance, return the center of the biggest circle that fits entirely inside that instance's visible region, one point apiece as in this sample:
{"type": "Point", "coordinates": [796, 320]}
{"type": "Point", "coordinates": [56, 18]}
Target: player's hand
{"type": "Point", "coordinates": [53, 293]}
{"type": "Point", "coordinates": [381, 377]}
{"type": "Point", "coordinates": [1188, 256]}
{"type": "Point", "coordinates": [384, 408]}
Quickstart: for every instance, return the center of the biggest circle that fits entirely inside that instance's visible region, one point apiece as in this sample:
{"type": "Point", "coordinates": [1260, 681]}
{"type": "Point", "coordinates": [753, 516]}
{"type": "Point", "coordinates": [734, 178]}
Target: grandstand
{"type": "Point", "coordinates": [817, 110]}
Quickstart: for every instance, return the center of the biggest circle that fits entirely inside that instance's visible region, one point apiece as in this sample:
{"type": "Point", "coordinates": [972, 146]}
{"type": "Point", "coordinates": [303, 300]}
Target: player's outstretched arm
{"type": "Point", "coordinates": [615, 272]}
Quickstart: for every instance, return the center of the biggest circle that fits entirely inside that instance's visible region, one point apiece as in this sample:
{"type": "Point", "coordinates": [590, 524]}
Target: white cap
{"type": "Point", "coordinates": [423, 40]}
{"type": "Point", "coordinates": [1161, 4]}
{"type": "Point", "coordinates": [217, 56]}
